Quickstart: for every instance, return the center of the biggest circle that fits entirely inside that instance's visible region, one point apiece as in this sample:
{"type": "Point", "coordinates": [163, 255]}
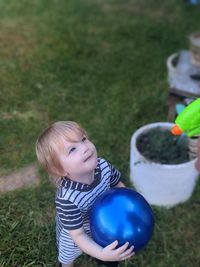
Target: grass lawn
{"type": "Point", "coordinates": [101, 63]}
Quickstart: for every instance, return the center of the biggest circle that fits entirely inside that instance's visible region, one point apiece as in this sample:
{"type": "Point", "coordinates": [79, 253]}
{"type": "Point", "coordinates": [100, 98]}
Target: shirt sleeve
{"type": "Point", "coordinates": [115, 176]}
{"type": "Point", "coordinates": [69, 214]}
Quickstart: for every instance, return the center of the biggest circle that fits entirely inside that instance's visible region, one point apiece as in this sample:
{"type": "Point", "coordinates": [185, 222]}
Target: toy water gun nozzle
{"type": "Point", "coordinates": [176, 130]}
{"type": "Point", "coordinates": [188, 121]}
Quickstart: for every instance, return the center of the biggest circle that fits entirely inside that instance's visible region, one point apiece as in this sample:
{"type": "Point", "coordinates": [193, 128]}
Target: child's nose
{"type": "Point", "coordinates": [85, 148]}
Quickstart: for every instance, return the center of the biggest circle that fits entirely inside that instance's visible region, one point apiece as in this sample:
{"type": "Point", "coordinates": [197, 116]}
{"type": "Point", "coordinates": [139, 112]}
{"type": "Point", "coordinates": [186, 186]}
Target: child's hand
{"type": "Point", "coordinates": [197, 163]}
{"type": "Point", "coordinates": [111, 253]}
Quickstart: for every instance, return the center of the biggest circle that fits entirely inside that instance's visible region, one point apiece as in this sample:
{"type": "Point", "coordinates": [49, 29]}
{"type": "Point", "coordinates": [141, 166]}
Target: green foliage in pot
{"type": "Point", "coordinates": [159, 145]}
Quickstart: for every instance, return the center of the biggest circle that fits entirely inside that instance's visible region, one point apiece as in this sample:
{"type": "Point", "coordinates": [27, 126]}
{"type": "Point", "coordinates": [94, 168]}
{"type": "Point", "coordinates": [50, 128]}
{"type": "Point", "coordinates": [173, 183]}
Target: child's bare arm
{"type": "Point", "coordinates": [90, 247]}
{"type": "Point", "coordinates": [120, 184]}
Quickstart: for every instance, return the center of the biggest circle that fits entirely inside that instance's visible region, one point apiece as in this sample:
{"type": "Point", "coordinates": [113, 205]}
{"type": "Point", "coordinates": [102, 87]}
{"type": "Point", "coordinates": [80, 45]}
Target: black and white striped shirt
{"type": "Point", "coordinates": [73, 204]}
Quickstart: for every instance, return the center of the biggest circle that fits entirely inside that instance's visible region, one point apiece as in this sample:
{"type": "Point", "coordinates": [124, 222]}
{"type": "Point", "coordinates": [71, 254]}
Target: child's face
{"type": "Point", "coordinates": [78, 158]}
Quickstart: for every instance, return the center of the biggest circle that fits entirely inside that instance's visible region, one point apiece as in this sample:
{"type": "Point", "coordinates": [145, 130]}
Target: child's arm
{"type": "Point", "coordinates": [90, 247]}
{"type": "Point", "coordinates": [120, 184]}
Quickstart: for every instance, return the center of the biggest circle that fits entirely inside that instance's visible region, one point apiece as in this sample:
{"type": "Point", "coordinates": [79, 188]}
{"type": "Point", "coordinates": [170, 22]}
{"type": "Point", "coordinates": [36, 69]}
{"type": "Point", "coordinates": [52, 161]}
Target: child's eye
{"type": "Point", "coordinates": [84, 139]}
{"type": "Point", "coordinates": [71, 150]}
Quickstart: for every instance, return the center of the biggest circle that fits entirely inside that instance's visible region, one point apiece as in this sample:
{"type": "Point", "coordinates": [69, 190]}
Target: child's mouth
{"type": "Point", "coordinates": [88, 157]}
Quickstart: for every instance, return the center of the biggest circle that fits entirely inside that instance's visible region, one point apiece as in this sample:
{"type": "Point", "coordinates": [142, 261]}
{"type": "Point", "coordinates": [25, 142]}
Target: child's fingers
{"type": "Point", "coordinates": [121, 249]}
{"type": "Point", "coordinates": [112, 245]}
{"type": "Point", "coordinates": [128, 253]}
{"type": "Point", "coordinates": [127, 257]}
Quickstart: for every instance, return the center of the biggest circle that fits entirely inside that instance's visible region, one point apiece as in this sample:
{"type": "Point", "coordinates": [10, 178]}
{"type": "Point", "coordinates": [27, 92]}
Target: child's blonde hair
{"type": "Point", "coordinates": [50, 142]}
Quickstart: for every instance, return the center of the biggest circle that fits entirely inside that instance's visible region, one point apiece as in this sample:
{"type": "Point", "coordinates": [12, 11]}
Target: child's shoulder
{"type": "Point", "coordinates": [101, 160]}
{"type": "Point", "coordinates": [102, 163]}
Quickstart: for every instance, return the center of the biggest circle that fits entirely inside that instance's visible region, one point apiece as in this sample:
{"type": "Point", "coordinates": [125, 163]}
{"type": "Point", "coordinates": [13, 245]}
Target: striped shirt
{"type": "Point", "coordinates": [73, 204]}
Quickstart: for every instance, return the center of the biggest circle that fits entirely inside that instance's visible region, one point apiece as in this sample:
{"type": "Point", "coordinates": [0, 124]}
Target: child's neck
{"type": "Point", "coordinates": [85, 178]}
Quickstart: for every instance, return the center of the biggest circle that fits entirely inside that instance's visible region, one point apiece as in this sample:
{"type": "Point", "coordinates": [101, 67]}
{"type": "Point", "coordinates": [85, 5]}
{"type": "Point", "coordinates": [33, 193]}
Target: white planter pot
{"type": "Point", "coordinates": [170, 65]}
{"type": "Point", "coordinates": [161, 184]}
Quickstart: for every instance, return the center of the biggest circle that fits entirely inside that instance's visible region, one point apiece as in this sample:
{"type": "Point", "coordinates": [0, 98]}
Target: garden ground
{"type": "Point", "coordinates": [101, 63]}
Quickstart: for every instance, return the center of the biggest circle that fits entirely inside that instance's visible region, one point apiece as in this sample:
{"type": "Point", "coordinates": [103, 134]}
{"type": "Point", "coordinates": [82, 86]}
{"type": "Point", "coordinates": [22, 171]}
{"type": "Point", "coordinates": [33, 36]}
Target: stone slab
{"type": "Point", "coordinates": [24, 177]}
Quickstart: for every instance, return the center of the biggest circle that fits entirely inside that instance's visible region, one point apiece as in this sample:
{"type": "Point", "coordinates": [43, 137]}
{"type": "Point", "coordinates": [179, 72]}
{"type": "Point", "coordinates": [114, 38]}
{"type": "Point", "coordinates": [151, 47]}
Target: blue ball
{"type": "Point", "coordinates": [122, 214]}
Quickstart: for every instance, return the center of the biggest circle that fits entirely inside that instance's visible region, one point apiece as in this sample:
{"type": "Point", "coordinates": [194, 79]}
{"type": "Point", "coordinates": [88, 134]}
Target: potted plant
{"type": "Point", "coordinates": [160, 168]}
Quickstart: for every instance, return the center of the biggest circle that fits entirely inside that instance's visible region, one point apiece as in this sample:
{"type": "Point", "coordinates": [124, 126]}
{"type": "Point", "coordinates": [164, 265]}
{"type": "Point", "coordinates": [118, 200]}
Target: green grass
{"type": "Point", "coordinates": [101, 63]}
